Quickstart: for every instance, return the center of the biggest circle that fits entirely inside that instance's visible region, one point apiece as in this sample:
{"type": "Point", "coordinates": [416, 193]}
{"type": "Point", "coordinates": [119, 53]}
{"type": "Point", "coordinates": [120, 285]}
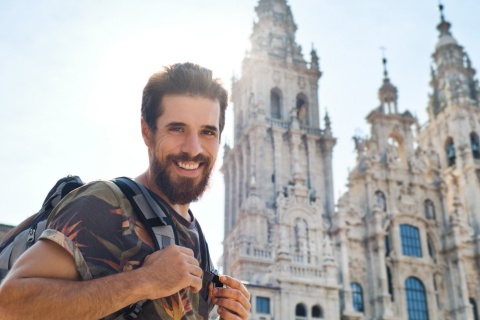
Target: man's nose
{"type": "Point", "coordinates": [191, 145]}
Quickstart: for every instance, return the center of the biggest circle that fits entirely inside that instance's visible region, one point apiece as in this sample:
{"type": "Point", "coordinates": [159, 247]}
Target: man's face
{"type": "Point", "coordinates": [184, 147]}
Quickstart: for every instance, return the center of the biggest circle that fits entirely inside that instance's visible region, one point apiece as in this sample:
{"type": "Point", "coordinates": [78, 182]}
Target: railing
{"type": "Point", "coordinates": [305, 259]}
{"type": "Point", "coordinates": [262, 253]}
{"type": "Point", "coordinates": [311, 130]}
{"type": "Point", "coordinates": [305, 272]}
{"type": "Point", "coordinates": [285, 124]}
{"type": "Point", "coordinates": [279, 123]}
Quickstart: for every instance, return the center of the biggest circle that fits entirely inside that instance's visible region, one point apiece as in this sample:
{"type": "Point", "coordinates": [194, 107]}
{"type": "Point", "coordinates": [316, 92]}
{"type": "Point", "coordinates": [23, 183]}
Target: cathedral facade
{"type": "Point", "coordinates": [402, 242]}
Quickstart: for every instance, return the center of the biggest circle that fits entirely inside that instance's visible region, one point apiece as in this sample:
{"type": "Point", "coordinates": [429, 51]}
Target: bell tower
{"type": "Point", "coordinates": [452, 135]}
{"type": "Point", "coordinates": [278, 175]}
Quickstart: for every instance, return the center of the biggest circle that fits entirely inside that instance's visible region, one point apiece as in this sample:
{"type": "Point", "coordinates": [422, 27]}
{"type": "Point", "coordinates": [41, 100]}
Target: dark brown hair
{"type": "Point", "coordinates": [182, 79]}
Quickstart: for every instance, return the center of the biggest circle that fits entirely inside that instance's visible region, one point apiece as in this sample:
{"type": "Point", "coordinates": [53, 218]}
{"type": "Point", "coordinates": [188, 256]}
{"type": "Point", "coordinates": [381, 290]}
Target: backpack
{"type": "Point", "coordinates": [150, 212]}
{"type": "Point", "coordinates": [23, 236]}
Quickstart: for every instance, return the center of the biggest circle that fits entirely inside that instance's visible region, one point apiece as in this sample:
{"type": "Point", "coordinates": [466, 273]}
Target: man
{"type": "Point", "coordinates": [94, 234]}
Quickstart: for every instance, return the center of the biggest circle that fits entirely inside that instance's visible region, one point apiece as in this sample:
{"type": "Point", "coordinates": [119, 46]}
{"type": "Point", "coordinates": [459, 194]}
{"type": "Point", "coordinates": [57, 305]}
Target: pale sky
{"type": "Point", "coordinates": [72, 73]}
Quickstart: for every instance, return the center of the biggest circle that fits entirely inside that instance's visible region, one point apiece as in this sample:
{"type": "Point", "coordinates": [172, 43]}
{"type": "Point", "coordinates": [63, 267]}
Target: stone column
{"type": "Point", "coordinates": [238, 184]}
{"type": "Point", "coordinates": [311, 143]}
{"type": "Point", "coordinates": [383, 297]}
{"type": "Point", "coordinates": [245, 177]}
{"type": "Point", "coordinates": [327, 150]}
{"type": "Point", "coordinates": [277, 152]}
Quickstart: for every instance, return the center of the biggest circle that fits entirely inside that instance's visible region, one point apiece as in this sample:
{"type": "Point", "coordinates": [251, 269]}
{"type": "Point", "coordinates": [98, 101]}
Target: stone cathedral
{"type": "Point", "coordinates": [403, 242]}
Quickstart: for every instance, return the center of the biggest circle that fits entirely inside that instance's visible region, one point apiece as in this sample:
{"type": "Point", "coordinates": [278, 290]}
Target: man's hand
{"type": "Point", "coordinates": [171, 269]}
{"type": "Point", "coordinates": [233, 301]}
{"type": "Point", "coordinates": [36, 287]}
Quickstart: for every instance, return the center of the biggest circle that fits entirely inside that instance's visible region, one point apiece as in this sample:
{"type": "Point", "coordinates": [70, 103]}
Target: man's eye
{"type": "Point", "coordinates": [209, 132]}
{"type": "Point", "coordinates": [176, 129]}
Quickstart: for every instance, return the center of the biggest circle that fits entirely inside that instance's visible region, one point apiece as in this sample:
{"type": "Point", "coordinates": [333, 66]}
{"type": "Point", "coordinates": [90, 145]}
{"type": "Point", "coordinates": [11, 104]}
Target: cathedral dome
{"type": "Point", "coordinates": [445, 37]}
{"type": "Point", "coordinates": [444, 40]}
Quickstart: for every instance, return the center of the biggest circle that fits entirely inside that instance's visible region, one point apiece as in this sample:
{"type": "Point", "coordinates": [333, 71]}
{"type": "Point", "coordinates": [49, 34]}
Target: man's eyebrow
{"type": "Point", "coordinates": [175, 124]}
{"type": "Point", "coordinates": [213, 128]}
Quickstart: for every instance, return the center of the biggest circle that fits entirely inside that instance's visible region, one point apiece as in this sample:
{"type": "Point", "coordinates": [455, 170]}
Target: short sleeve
{"type": "Point", "coordinates": [98, 227]}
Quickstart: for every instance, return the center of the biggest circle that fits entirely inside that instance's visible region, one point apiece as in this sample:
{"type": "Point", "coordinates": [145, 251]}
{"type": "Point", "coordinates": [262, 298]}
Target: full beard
{"type": "Point", "coordinates": [181, 190]}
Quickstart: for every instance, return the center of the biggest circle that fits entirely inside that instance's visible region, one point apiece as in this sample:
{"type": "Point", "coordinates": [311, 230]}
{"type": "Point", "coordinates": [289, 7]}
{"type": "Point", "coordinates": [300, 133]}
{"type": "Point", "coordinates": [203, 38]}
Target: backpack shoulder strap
{"type": "Point", "coordinates": [156, 220]}
{"type": "Point", "coordinates": [151, 213]}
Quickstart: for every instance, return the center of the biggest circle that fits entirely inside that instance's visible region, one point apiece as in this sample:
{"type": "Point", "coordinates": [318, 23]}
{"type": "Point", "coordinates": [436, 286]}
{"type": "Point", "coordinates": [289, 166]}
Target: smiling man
{"type": "Point", "coordinates": [96, 259]}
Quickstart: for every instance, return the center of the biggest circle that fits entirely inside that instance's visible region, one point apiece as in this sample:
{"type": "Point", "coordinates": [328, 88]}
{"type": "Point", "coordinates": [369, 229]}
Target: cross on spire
{"type": "Point", "coordinates": [440, 8]}
{"type": "Point", "coordinates": [384, 60]}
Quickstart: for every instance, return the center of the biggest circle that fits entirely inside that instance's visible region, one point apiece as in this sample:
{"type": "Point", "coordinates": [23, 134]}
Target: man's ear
{"type": "Point", "coordinates": [146, 133]}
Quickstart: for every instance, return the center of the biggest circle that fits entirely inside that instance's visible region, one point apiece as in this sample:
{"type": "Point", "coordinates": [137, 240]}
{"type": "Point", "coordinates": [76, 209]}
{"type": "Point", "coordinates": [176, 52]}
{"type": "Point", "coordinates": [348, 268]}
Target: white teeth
{"type": "Point", "coordinates": [188, 166]}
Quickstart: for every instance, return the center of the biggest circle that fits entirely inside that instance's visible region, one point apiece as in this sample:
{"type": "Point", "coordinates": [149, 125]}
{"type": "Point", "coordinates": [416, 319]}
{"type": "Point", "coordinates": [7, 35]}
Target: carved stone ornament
{"type": "Point", "coordinates": [408, 203]}
{"type": "Point", "coordinates": [301, 82]}
{"type": "Point", "coordinates": [419, 162]}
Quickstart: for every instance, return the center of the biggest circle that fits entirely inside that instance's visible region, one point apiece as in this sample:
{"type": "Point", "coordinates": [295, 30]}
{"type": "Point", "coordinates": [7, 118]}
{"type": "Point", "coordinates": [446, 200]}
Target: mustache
{"type": "Point", "coordinates": [186, 157]}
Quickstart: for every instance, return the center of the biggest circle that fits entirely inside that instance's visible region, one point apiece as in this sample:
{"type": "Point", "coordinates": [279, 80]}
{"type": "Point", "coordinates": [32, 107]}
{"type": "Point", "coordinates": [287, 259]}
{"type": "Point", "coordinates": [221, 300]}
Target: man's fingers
{"type": "Point", "coordinates": [235, 284]}
{"type": "Point", "coordinates": [233, 300]}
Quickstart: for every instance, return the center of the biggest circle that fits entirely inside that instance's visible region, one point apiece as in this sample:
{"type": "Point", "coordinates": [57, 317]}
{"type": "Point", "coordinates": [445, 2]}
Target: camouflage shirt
{"type": "Point", "coordinates": [97, 225]}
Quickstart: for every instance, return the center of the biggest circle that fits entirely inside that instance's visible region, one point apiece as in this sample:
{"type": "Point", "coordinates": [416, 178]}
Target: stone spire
{"type": "Point", "coordinates": [452, 77]}
{"type": "Point", "coordinates": [388, 93]}
{"type": "Point", "coordinates": [274, 33]}
{"type": "Point", "coordinates": [314, 64]}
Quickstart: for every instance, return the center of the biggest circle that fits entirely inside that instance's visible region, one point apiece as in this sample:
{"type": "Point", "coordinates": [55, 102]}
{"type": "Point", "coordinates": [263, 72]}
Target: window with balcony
{"type": "Point", "coordinates": [276, 103]}
{"type": "Point", "coordinates": [417, 308]}
{"type": "Point", "coordinates": [411, 244]}
{"type": "Point", "coordinates": [357, 296]}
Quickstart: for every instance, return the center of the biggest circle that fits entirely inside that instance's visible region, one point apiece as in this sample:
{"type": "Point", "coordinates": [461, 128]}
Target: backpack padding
{"type": "Point", "coordinates": [60, 190]}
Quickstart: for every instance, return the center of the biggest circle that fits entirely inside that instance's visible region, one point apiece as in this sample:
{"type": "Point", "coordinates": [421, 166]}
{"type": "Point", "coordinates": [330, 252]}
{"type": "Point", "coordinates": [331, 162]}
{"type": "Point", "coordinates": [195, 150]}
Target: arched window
{"type": "Point", "coordinates": [429, 209]}
{"type": "Point", "coordinates": [474, 308]}
{"type": "Point", "coordinates": [380, 200]}
{"type": "Point", "coordinates": [300, 312]}
{"type": "Point", "coordinates": [411, 245]}
{"type": "Point", "coordinates": [450, 148]}
{"type": "Point", "coordinates": [302, 108]}
{"type": "Point", "coordinates": [475, 145]}
{"type": "Point", "coordinates": [357, 296]}
{"type": "Point", "coordinates": [276, 103]}
{"type": "Point", "coordinates": [416, 299]}
{"type": "Point", "coordinates": [387, 245]}
{"type": "Point", "coordinates": [431, 249]}
{"type": "Point", "coordinates": [390, 284]}
{"type": "Point", "coordinates": [317, 312]}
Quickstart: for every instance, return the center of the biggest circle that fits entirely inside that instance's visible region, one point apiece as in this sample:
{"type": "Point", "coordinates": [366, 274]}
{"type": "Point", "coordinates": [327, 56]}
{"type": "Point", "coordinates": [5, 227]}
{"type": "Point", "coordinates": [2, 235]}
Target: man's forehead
{"type": "Point", "coordinates": [191, 107]}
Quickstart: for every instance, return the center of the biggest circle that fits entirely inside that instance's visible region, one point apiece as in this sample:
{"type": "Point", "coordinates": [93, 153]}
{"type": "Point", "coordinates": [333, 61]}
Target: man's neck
{"type": "Point", "coordinates": [147, 180]}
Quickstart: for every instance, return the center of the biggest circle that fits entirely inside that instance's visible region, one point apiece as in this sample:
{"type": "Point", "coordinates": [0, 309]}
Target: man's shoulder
{"type": "Point", "coordinates": [98, 193]}
{"type": "Point", "coordinates": [99, 188]}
